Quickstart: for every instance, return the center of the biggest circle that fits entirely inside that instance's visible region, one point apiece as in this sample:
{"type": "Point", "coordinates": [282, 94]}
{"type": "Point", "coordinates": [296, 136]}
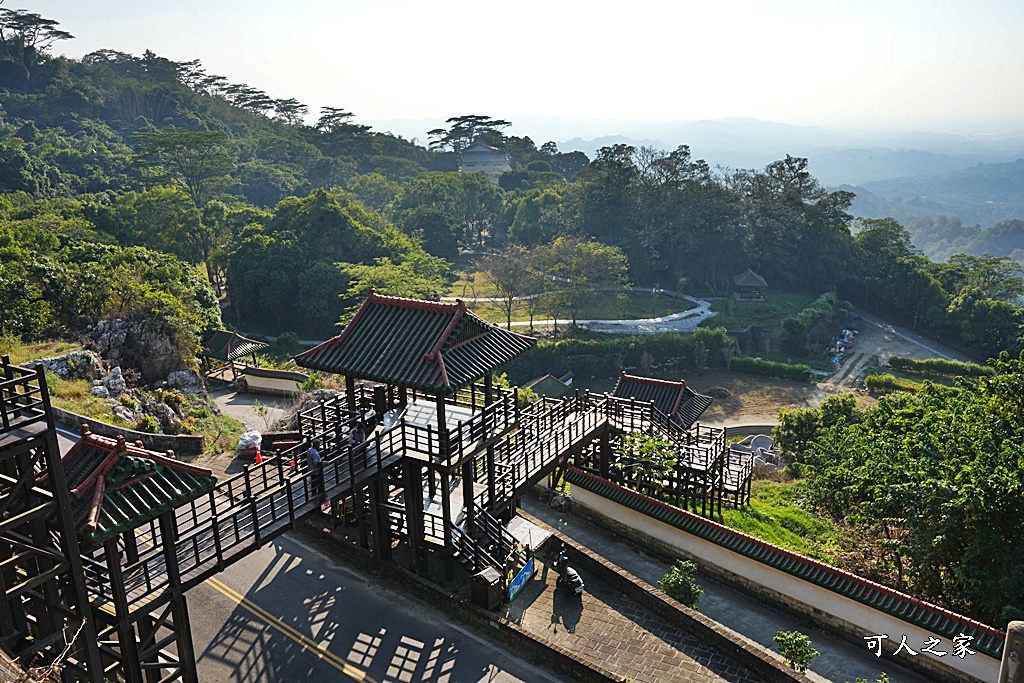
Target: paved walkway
{"type": "Point", "coordinates": [840, 660]}
{"type": "Point", "coordinates": [618, 635]}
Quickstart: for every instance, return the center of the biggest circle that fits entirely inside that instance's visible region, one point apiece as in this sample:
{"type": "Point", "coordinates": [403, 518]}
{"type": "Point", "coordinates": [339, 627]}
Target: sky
{"type": "Point", "coordinates": [592, 67]}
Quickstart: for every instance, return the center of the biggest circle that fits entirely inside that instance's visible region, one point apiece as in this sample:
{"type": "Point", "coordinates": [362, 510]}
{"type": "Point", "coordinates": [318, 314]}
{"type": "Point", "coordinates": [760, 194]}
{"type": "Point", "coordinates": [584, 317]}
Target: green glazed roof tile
{"type": "Point", "coordinates": [419, 344]}
{"type": "Point", "coordinates": [138, 485]}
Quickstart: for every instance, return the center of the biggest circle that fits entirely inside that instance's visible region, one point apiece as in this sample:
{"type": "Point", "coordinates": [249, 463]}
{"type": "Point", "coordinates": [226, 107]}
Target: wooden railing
{"type": "Point", "coordinates": [23, 397]}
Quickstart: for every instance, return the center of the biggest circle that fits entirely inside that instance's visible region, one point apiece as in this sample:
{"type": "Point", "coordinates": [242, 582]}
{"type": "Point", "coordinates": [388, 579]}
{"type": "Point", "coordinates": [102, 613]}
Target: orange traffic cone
{"type": "Point", "coordinates": [259, 457]}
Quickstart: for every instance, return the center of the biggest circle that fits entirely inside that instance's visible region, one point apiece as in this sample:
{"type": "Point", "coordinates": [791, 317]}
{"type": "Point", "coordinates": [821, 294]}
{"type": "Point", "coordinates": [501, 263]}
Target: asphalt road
{"type": "Point", "coordinates": [289, 613]}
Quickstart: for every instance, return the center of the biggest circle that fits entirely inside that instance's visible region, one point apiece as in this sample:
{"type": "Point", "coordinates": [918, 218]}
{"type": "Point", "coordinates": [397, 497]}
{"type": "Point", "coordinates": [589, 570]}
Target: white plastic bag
{"type": "Point", "coordinates": [250, 440]}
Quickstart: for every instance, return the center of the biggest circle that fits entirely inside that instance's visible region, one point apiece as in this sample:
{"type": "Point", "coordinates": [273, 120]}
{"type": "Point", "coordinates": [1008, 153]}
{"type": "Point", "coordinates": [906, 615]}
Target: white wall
{"type": "Point", "coordinates": [802, 595]}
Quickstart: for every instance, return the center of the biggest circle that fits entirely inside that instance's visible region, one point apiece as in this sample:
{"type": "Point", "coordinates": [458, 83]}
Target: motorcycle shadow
{"type": "Point", "coordinates": [566, 607]}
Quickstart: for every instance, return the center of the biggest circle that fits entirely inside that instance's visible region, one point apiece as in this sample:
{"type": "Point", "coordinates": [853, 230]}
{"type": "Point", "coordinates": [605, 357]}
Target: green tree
{"type": "Point", "coordinates": [511, 274]}
{"type": "Point", "coordinates": [25, 35]}
{"type": "Point", "coordinates": [649, 457]}
{"type": "Point", "coordinates": [934, 476]}
{"type": "Point", "coordinates": [464, 130]}
{"type": "Point", "coordinates": [195, 160]}
{"type": "Point", "coordinates": [434, 230]}
{"type": "Point", "coordinates": [582, 269]}
{"type": "Point", "coordinates": [393, 279]}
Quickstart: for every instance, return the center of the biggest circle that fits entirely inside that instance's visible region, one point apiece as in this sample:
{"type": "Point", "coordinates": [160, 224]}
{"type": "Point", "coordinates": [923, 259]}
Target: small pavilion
{"type": "Point", "coordinates": [681, 403]}
{"type": "Point", "coordinates": [751, 285]}
{"type": "Point", "coordinates": [222, 348]}
{"type": "Point", "coordinates": [426, 360]}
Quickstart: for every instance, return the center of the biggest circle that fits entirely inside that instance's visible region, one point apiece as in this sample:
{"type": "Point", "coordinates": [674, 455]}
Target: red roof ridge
{"type": "Point", "coordinates": [418, 304]}
{"type": "Point", "coordinates": [436, 351]}
{"type": "Point", "coordinates": [651, 380]}
{"type": "Point", "coordinates": [444, 372]}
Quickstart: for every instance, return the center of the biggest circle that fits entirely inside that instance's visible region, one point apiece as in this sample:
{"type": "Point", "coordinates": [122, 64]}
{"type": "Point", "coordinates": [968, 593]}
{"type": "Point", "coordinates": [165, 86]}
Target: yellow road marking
{"type": "Point", "coordinates": [275, 623]}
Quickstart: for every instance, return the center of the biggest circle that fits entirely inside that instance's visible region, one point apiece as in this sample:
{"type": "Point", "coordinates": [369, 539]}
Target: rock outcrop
{"type": "Point", "coordinates": [132, 343]}
{"type": "Point", "coordinates": [76, 365]}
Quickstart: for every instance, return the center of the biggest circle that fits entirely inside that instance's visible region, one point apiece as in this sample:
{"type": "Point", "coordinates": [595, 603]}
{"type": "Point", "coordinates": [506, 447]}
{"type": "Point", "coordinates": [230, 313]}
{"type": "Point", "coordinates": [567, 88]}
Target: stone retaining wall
{"type": "Point", "coordinates": [183, 445]}
{"type": "Point", "coordinates": [837, 613]}
{"type": "Point", "coordinates": [730, 644]}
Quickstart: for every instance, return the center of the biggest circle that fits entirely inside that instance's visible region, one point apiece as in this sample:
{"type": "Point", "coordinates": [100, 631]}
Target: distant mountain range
{"type": "Point", "coordinates": [904, 174]}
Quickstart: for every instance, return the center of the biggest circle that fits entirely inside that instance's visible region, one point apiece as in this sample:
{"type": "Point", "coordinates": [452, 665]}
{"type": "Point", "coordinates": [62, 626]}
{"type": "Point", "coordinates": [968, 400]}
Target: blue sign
{"type": "Point", "coordinates": [524, 575]}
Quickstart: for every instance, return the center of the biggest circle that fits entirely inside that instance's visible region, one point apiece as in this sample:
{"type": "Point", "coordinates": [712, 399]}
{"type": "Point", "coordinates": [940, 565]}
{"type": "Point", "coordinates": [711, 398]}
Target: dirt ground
{"type": "Point", "coordinates": [741, 398]}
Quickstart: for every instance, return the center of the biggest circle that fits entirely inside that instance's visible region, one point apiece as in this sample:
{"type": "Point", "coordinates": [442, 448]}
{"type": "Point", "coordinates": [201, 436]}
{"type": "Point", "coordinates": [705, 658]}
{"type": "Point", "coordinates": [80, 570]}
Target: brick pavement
{"type": "Point", "coordinates": [617, 634]}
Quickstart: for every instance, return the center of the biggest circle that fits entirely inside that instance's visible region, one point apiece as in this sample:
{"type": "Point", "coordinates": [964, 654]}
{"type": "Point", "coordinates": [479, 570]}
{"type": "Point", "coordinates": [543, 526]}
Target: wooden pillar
{"type": "Point", "coordinates": [379, 524]}
{"type": "Point", "coordinates": [492, 489]}
{"type": "Point", "coordinates": [131, 668]}
{"type": "Point", "coordinates": [69, 546]}
{"type": "Point", "coordinates": [606, 453]}
{"type": "Point", "coordinates": [467, 490]}
{"type": "Point", "coordinates": [412, 474]}
{"type": "Point", "coordinates": [350, 394]}
{"type": "Point", "coordinates": [179, 607]}
{"type": "Point", "coordinates": [442, 430]}
{"type": "Point", "coordinates": [131, 547]}
{"type": "Point", "coordinates": [492, 493]}
{"type": "Point", "coordinates": [446, 512]}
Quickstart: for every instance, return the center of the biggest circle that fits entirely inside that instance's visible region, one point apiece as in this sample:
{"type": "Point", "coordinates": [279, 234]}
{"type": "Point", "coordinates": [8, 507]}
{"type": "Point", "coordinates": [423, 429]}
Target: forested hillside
{"type": "Point", "coordinates": [291, 220]}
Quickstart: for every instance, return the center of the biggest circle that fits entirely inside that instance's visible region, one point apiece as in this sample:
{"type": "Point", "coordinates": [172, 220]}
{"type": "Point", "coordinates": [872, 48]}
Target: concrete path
{"type": "Point", "coordinates": [840, 660]}
{"type": "Point", "coordinates": [255, 411]}
{"type": "Point", "coordinates": [618, 635]}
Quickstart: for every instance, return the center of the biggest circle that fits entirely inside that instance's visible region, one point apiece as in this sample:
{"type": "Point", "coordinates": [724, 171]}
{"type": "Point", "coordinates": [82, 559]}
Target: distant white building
{"type": "Point", "coordinates": [481, 158]}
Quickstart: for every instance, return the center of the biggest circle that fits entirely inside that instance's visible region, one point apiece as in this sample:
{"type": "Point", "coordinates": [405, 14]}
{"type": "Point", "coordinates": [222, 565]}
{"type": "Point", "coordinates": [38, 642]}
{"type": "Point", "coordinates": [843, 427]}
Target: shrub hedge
{"type": "Point", "coordinates": [608, 354]}
{"type": "Point", "coordinates": [885, 384]}
{"type": "Point", "coordinates": [941, 367]}
{"type": "Point", "coordinates": [756, 366]}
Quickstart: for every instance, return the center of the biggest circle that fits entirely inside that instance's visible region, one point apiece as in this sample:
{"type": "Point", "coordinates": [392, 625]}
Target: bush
{"type": "Point", "coordinates": [148, 424]}
{"type": "Point", "coordinates": [679, 583]}
{"type": "Point", "coordinates": [609, 353]}
{"type": "Point", "coordinates": [287, 343]}
{"type": "Point", "coordinates": [796, 648]}
{"type": "Point", "coordinates": [174, 399]}
{"type": "Point", "coordinates": [942, 367]}
{"type": "Point", "coordinates": [886, 384]}
{"type": "Point", "coordinates": [756, 366]}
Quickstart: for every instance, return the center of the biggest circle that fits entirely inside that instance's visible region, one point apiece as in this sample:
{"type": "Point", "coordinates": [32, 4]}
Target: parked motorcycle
{"type": "Point", "coordinates": [567, 576]}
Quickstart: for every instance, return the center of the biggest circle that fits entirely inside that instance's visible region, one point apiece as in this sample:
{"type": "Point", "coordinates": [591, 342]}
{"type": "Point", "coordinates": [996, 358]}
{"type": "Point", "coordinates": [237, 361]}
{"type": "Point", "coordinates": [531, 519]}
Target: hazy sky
{"type": "Point", "coordinates": [949, 65]}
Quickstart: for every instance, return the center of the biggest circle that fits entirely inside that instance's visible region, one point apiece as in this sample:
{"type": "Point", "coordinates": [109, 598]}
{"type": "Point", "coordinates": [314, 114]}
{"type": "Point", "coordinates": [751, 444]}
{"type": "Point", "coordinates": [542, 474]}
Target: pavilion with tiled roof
{"type": "Point", "coordinates": [674, 399]}
{"type": "Point", "coordinates": [426, 345]}
{"type": "Point", "coordinates": [116, 486]}
{"type": "Point", "coordinates": [433, 351]}
{"type": "Point", "coordinates": [751, 283]}
{"type": "Point", "coordinates": [227, 346]}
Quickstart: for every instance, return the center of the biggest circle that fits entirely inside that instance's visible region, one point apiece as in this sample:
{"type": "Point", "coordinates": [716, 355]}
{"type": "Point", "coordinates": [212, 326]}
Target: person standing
{"type": "Point", "coordinates": [315, 464]}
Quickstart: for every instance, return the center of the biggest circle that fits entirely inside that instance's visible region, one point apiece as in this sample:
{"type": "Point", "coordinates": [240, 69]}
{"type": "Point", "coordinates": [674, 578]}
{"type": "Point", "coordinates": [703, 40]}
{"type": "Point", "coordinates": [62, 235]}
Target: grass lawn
{"type": "Point", "coordinates": [738, 315]}
{"type": "Point", "coordinates": [610, 306]}
{"type": "Point", "coordinates": [23, 353]}
{"type": "Point", "coordinates": [775, 515]}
